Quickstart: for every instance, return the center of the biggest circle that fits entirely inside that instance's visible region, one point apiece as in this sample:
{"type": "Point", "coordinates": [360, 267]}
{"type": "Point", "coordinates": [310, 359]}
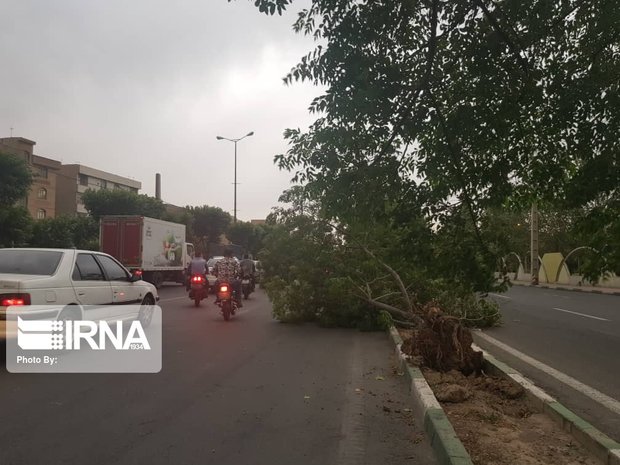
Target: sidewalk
{"type": "Point", "coordinates": [592, 289]}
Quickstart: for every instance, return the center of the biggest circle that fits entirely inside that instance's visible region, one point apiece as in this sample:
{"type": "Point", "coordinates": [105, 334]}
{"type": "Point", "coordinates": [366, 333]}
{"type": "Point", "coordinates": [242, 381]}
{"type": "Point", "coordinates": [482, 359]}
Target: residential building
{"type": "Point", "coordinates": [258, 222]}
{"type": "Point", "coordinates": [41, 199]}
{"type": "Point", "coordinates": [75, 179]}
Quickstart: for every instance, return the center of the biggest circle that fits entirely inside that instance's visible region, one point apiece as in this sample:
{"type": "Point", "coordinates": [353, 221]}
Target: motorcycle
{"type": "Point", "coordinates": [199, 288]}
{"type": "Point", "coordinates": [226, 300]}
{"type": "Point", "coordinates": [247, 286]}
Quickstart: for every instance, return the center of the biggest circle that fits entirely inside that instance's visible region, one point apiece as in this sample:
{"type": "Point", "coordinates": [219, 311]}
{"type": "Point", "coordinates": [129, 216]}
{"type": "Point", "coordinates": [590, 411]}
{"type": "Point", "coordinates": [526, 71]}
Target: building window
{"type": "Point", "coordinates": [103, 184]}
{"type": "Point", "coordinates": [40, 171]}
{"type": "Point", "coordinates": [83, 180]}
{"type": "Point", "coordinates": [42, 194]}
{"type": "Point", "coordinates": [41, 214]}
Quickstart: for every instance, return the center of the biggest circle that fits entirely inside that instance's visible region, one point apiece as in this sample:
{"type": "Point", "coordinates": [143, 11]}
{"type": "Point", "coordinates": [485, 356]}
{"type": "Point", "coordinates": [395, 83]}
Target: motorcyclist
{"type": "Point", "coordinates": [198, 265]}
{"type": "Point", "coordinates": [248, 269]}
{"type": "Point", "coordinates": [227, 269]}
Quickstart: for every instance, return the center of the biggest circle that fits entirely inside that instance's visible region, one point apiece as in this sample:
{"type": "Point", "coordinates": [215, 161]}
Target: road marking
{"type": "Point", "coordinates": [597, 396]}
{"type": "Point", "coordinates": [173, 298]}
{"type": "Point", "coordinates": [580, 314]}
{"type": "Point", "coordinates": [560, 296]}
{"type": "Point", "coordinates": [500, 296]}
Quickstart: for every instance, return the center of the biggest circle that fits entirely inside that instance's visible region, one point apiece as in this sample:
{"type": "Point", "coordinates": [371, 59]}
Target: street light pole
{"type": "Point", "coordinates": [234, 141]}
{"type": "Point", "coordinates": [235, 203]}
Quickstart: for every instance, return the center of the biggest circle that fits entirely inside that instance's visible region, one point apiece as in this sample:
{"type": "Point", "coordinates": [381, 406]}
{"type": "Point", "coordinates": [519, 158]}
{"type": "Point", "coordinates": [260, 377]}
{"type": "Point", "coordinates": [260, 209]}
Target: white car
{"type": "Point", "coordinates": [66, 280]}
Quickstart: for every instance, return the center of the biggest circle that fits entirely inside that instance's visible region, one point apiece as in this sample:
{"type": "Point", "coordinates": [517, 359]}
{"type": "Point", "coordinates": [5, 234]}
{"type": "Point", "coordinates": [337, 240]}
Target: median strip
{"type": "Point", "coordinates": [602, 446]}
{"type": "Point", "coordinates": [498, 418]}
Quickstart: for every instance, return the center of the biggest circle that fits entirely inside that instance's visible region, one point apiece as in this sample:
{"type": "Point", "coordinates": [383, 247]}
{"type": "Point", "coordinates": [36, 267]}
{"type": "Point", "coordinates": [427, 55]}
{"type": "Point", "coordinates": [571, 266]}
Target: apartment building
{"type": "Point", "coordinates": [41, 200]}
{"type": "Point", "coordinates": [75, 179]}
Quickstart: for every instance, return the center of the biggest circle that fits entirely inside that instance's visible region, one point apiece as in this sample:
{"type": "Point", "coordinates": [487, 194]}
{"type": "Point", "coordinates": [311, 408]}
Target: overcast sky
{"type": "Point", "coordinates": [144, 86]}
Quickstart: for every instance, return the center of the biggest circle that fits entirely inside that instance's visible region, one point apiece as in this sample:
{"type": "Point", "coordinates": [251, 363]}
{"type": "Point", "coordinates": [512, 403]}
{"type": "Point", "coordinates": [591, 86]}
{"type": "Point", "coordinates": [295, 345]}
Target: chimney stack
{"type": "Point", "coordinates": [158, 186]}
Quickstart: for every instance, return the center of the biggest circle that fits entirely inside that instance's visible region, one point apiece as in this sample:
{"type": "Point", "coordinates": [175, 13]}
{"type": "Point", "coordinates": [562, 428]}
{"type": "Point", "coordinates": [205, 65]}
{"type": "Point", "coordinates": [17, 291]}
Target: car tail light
{"type": "Point", "coordinates": [137, 272]}
{"type": "Point", "coordinates": [6, 300]}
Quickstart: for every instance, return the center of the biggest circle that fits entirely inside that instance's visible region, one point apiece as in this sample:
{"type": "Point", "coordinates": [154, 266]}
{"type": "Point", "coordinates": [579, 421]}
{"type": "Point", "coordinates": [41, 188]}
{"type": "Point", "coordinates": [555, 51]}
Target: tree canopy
{"type": "Point", "coordinates": [15, 183]}
{"type": "Point", "coordinates": [452, 108]}
{"type": "Point", "coordinates": [247, 235]}
{"type": "Point", "coordinates": [120, 202]}
{"type": "Point", "coordinates": [15, 179]}
{"type": "Point", "coordinates": [208, 224]}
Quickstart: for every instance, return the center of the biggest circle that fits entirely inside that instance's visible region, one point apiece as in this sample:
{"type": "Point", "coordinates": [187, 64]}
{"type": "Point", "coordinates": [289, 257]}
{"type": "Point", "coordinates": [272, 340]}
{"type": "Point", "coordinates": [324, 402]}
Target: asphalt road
{"type": "Point", "coordinates": [577, 334]}
{"type": "Point", "coordinates": [248, 391]}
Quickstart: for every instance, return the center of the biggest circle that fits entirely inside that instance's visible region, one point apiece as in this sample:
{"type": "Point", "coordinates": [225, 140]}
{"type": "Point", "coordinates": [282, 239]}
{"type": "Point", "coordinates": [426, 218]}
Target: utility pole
{"type": "Point", "coordinates": [534, 243]}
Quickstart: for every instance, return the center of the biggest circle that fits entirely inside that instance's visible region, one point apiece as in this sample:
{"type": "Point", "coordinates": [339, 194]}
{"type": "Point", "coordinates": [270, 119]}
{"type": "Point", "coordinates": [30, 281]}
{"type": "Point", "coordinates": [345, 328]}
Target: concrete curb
{"type": "Point", "coordinates": [607, 291]}
{"type": "Point", "coordinates": [602, 446]}
{"type": "Point", "coordinates": [446, 444]}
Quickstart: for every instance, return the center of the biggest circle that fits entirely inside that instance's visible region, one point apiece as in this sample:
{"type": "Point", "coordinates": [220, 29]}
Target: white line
{"type": "Point", "coordinates": [173, 298]}
{"type": "Point", "coordinates": [581, 314]}
{"type": "Point", "coordinates": [500, 296]}
{"type": "Point", "coordinates": [560, 296]}
{"type": "Point", "coordinates": [597, 396]}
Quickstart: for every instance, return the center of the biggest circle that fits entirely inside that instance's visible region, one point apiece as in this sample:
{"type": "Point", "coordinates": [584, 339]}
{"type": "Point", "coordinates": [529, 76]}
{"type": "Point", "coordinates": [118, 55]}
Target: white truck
{"type": "Point", "coordinates": [157, 248]}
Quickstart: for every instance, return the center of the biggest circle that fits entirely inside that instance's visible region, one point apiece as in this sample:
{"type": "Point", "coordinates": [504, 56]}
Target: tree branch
{"type": "Point", "coordinates": [396, 277]}
{"type": "Point", "coordinates": [511, 44]}
{"type": "Point", "coordinates": [459, 174]}
{"type": "Point", "coordinates": [430, 61]}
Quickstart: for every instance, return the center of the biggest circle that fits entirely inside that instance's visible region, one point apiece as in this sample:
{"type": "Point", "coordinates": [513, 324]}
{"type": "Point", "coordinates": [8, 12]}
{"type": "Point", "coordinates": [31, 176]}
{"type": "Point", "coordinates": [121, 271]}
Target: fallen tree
{"type": "Point", "coordinates": [319, 270]}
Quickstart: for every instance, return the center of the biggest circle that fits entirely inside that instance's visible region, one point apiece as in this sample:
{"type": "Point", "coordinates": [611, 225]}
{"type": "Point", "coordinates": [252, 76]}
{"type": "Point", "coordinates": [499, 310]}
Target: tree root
{"type": "Point", "coordinates": [443, 343]}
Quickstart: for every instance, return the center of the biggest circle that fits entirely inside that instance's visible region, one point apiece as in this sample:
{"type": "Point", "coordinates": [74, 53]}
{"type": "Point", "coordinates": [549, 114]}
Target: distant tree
{"type": "Point", "coordinates": [15, 182]}
{"type": "Point", "coordinates": [85, 233]}
{"type": "Point", "coordinates": [247, 235]}
{"type": "Point", "coordinates": [121, 202]}
{"type": "Point", "coordinates": [184, 217]}
{"type": "Point", "coordinates": [53, 232]}
{"type": "Point", "coordinates": [66, 231]}
{"type": "Point", "coordinates": [15, 226]}
{"type": "Point", "coordinates": [208, 224]}
{"type": "Point", "coordinates": [15, 179]}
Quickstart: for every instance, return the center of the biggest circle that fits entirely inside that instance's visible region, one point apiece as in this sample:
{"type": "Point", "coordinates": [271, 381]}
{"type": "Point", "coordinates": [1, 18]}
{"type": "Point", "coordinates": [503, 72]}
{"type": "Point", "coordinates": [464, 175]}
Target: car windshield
{"type": "Point", "coordinates": [34, 262]}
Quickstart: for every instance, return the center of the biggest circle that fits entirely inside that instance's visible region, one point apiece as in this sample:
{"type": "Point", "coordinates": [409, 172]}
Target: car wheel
{"type": "Point", "coordinates": [145, 315]}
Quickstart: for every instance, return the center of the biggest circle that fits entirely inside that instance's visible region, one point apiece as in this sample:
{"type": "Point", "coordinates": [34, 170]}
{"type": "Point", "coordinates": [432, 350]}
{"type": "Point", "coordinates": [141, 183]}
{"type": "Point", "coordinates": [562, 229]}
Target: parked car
{"type": "Point", "coordinates": [65, 280]}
